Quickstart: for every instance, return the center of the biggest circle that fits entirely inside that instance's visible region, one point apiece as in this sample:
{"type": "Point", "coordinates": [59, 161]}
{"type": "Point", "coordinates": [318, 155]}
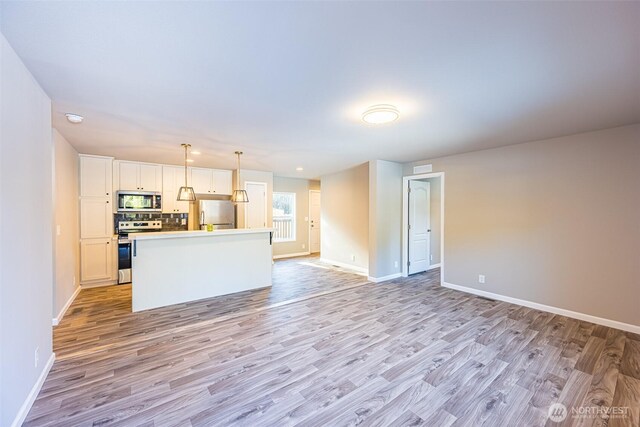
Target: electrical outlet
{"type": "Point", "coordinates": [304, 246]}
{"type": "Point", "coordinates": [430, 257]}
{"type": "Point", "coordinates": [74, 282]}
{"type": "Point", "coordinates": [36, 357]}
{"type": "Point", "coordinates": [481, 278]}
{"type": "Point", "coordinates": [395, 264]}
{"type": "Point", "coordinates": [353, 257]}
{"type": "Point", "coordinates": [58, 232]}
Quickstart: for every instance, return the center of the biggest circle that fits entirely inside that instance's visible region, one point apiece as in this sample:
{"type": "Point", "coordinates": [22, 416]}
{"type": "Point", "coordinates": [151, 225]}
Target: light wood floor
{"type": "Point", "coordinates": [405, 352]}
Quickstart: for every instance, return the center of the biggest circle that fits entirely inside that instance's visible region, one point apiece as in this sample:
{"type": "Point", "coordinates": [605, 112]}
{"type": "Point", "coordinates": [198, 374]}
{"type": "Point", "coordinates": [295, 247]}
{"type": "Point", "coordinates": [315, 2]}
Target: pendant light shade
{"type": "Point", "coordinates": [239, 196]}
{"type": "Point", "coordinates": [186, 193]}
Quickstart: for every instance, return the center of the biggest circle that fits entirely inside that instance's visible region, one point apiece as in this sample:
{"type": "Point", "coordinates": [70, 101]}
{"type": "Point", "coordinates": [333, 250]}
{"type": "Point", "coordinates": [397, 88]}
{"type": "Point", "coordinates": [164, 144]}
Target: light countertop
{"type": "Point", "coordinates": [196, 233]}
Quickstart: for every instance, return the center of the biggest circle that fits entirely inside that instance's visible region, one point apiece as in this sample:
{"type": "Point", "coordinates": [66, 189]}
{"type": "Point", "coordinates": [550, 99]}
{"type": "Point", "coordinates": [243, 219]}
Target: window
{"type": "Point", "coordinates": [284, 217]}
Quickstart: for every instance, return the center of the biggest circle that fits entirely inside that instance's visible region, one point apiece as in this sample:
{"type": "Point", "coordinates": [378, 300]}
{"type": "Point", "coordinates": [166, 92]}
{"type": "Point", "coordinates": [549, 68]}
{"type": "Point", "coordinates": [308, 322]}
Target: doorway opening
{"type": "Point", "coordinates": [423, 223]}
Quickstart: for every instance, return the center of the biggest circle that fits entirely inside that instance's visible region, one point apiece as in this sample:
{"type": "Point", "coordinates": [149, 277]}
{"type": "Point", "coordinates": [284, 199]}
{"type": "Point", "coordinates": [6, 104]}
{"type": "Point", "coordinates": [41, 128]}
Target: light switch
{"type": "Point", "coordinates": [58, 230]}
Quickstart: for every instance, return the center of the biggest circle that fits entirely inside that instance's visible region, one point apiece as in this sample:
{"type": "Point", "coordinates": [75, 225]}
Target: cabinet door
{"type": "Point", "coordinates": [150, 177]}
{"type": "Point", "coordinates": [129, 176]}
{"type": "Point", "coordinates": [223, 181]}
{"type": "Point", "coordinates": [172, 180]}
{"type": "Point", "coordinates": [96, 218]}
{"type": "Point", "coordinates": [95, 259]}
{"type": "Point", "coordinates": [169, 189]}
{"type": "Point", "coordinates": [95, 176]}
{"type": "Point", "coordinates": [202, 180]}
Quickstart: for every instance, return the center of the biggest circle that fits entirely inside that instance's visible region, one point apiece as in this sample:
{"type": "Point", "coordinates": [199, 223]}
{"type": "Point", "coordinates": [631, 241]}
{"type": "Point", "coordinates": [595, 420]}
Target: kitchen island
{"type": "Point", "coordinates": [176, 267]}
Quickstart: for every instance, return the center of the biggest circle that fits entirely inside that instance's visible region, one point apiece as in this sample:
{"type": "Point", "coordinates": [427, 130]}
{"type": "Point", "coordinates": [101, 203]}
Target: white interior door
{"type": "Point", "coordinates": [256, 210]}
{"type": "Point", "coordinates": [314, 221]}
{"type": "Point", "coordinates": [419, 226]}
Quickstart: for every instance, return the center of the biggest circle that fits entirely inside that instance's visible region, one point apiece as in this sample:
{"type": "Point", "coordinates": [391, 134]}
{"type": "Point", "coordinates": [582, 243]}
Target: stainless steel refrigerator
{"type": "Point", "coordinates": [220, 213]}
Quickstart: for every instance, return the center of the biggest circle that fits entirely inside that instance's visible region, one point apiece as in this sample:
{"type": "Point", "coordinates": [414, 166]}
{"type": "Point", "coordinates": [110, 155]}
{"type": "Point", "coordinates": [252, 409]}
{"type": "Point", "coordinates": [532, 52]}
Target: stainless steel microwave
{"type": "Point", "coordinates": [139, 201]}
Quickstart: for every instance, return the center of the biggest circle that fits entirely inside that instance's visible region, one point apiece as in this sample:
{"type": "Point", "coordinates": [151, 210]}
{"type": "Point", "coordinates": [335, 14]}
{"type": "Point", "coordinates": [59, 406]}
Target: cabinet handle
{"type": "Point", "coordinates": [107, 194]}
{"type": "Point", "coordinates": [107, 201]}
{"type": "Point", "coordinates": [108, 243]}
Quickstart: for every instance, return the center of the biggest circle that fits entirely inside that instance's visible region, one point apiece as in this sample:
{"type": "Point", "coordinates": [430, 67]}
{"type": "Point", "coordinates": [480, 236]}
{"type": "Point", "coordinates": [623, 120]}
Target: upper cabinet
{"type": "Point", "coordinates": [212, 181]}
{"type": "Point", "coordinates": [134, 176]}
{"type": "Point", "coordinates": [95, 176]}
{"type": "Point", "coordinates": [172, 180]}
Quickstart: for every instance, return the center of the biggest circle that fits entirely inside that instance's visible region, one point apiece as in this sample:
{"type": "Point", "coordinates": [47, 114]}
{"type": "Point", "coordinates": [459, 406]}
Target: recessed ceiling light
{"type": "Point", "coordinates": [197, 153]}
{"type": "Point", "coordinates": [299, 168]}
{"type": "Point", "coordinates": [189, 160]}
{"type": "Point", "coordinates": [74, 118]}
{"type": "Point", "coordinates": [381, 113]}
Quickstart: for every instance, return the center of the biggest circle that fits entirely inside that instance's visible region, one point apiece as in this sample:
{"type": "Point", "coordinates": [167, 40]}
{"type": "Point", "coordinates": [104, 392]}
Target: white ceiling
{"type": "Point", "coordinates": [287, 81]}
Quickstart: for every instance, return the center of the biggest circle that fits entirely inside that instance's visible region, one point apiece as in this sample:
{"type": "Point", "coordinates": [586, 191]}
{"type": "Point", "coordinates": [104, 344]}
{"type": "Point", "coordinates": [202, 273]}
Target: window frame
{"type": "Point", "coordinates": [294, 218]}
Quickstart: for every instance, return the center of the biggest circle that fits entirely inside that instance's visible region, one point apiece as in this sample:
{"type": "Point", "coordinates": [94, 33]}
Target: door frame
{"type": "Point", "coordinates": [405, 220]}
{"type": "Point", "coordinates": [309, 222]}
{"type": "Point", "coordinates": [266, 202]}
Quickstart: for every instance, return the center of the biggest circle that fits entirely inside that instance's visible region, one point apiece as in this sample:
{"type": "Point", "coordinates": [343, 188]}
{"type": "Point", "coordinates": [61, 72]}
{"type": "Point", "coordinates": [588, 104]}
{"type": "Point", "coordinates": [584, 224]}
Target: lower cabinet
{"type": "Point", "coordinates": [97, 260]}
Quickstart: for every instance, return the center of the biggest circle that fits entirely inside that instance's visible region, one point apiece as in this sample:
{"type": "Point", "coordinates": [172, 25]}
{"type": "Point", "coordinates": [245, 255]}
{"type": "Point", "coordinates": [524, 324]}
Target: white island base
{"type": "Point", "coordinates": [177, 267]}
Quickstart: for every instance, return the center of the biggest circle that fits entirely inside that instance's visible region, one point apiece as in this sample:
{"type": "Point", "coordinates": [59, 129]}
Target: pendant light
{"type": "Point", "coordinates": [239, 196]}
{"type": "Point", "coordinates": [186, 193]}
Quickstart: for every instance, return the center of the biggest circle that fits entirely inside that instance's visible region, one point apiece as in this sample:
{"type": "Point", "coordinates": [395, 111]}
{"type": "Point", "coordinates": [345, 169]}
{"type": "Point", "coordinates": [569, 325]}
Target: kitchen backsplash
{"type": "Point", "coordinates": [170, 222]}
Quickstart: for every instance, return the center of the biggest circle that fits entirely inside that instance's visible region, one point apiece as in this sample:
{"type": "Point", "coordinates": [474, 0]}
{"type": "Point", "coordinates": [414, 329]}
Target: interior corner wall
{"type": "Point", "coordinates": [254, 176]}
{"type": "Point", "coordinates": [301, 188]}
{"type": "Point", "coordinates": [385, 218]}
{"type": "Point", "coordinates": [554, 222]}
{"type": "Point", "coordinates": [66, 220]}
{"type": "Point", "coordinates": [26, 264]}
{"type": "Point", "coordinates": [344, 228]}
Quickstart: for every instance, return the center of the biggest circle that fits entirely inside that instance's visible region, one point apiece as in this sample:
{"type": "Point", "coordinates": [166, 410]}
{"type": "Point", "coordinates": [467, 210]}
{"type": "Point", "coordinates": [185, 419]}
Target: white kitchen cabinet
{"type": "Point", "coordinates": [212, 181]}
{"type": "Point", "coordinates": [223, 181]}
{"type": "Point", "coordinates": [172, 180]}
{"type": "Point", "coordinates": [134, 176]}
{"type": "Point", "coordinates": [96, 218]}
{"type": "Point", "coordinates": [95, 176]}
{"type": "Point", "coordinates": [202, 180]}
{"type": "Point", "coordinates": [96, 259]}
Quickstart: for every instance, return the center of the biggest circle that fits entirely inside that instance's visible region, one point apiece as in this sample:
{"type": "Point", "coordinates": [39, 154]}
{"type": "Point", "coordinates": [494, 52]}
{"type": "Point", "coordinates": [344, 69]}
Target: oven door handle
{"type": "Point", "coordinates": [134, 247]}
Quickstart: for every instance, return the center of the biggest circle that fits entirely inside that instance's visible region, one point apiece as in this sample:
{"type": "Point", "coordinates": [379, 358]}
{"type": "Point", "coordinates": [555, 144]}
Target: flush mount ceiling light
{"type": "Point", "coordinates": [74, 118]}
{"type": "Point", "coordinates": [186, 193]}
{"type": "Point", "coordinates": [299, 168]}
{"type": "Point", "coordinates": [239, 196]}
{"type": "Point", "coordinates": [380, 114]}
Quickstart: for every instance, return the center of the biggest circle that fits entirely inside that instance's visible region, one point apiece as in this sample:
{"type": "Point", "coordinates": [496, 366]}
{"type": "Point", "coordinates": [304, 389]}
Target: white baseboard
{"type": "Point", "coordinates": [98, 284]}
{"type": "Point", "coordinates": [345, 265]}
{"type": "Point", "coordinates": [297, 254]}
{"type": "Point", "coordinates": [56, 320]}
{"type": "Point", "coordinates": [384, 278]}
{"type": "Point", "coordinates": [433, 266]}
{"type": "Point", "coordinates": [548, 308]}
{"type": "Point", "coordinates": [31, 397]}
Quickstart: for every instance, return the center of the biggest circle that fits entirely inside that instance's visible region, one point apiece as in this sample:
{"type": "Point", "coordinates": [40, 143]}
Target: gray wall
{"type": "Point", "coordinates": [385, 218]}
{"type": "Point", "coordinates": [66, 218]}
{"type": "Point", "coordinates": [555, 222]}
{"type": "Point", "coordinates": [345, 217]}
{"type": "Point", "coordinates": [301, 188]}
{"type": "Point", "coordinates": [26, 232]}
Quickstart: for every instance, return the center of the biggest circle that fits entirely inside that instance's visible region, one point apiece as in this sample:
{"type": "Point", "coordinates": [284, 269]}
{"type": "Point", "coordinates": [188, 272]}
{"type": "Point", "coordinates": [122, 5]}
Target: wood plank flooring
{"type": "Point", "coordinates": [325, 348]}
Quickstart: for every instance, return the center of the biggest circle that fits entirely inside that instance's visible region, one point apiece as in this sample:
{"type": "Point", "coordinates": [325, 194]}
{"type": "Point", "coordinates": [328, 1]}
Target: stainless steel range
{"type": "Point", "coordinates": [124, 244]}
